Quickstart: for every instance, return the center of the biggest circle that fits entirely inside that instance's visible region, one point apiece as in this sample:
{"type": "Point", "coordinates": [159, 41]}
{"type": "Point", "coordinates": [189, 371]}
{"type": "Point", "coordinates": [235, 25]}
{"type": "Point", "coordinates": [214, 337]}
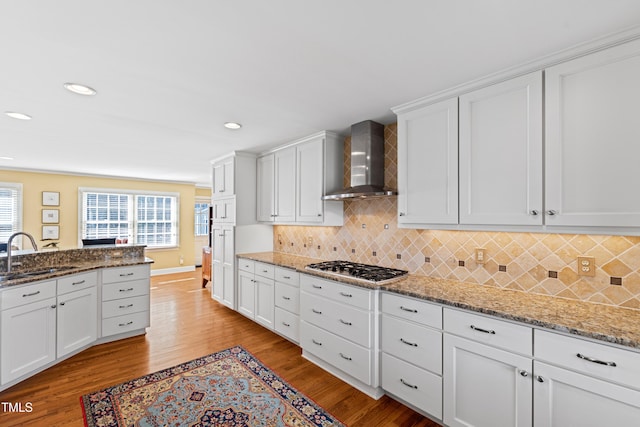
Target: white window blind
{"type": "Point", "coordinates": [147, 219]}
{"type": "Point", "coordinates": [10, 210]}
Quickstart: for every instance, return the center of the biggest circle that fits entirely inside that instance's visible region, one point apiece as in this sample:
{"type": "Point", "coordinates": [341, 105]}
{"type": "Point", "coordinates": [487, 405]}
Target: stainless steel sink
{"type": "Point", "coordinates": [33, 273]}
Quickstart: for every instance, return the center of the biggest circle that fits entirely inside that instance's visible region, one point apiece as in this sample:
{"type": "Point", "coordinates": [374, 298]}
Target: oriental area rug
{"type": "Point", "coordinates": [230, 388]}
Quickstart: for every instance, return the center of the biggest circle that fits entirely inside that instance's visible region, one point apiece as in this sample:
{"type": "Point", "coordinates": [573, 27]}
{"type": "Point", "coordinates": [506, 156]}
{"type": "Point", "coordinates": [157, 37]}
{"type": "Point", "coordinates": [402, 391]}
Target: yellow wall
{"type": "Point", "coordinates": [34, 183]}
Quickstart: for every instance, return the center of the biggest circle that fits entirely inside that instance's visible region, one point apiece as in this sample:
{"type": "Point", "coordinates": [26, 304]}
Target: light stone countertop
{"type": "Point", "coordinates": [597, 321]}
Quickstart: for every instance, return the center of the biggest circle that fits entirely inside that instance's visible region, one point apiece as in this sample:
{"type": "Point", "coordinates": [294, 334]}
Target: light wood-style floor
{"type": "Point", "coordinates": [187, 324]}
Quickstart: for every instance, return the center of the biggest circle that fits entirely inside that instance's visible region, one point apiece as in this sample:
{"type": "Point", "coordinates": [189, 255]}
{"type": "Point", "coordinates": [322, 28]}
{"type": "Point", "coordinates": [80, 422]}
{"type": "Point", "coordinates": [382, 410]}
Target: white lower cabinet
{"type": "Point", "coordinates": [338, 331]}
{"type": "Point", "coordinates": [125, 299]}
{"type": "Point", "coordinates": [222, 265]}
{"type": "Point", "coordinates": [485, 385]}
{"type": "Point", "coordinates": [287, 303]}
{"type": "Point", "coordinates": [256, 288]}
{"type": "Point", "coordinates": [77, 320]}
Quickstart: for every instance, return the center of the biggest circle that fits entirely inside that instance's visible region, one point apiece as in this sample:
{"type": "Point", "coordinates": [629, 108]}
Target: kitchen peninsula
{"type": "Point", "coordinates": [66, 301]}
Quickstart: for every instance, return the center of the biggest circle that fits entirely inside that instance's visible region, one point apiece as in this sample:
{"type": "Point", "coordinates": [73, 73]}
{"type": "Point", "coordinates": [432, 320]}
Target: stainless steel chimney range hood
{"type": "Point", "coordinates": [367, 164]}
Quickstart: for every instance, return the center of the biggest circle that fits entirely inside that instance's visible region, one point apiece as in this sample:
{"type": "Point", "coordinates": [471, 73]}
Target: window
{"type": "Point", "coordinates": [201, 219]}
{"type": "Point", "coordinates": [10, 210]}
{"type": "Point", "coordinates": [147, 219]}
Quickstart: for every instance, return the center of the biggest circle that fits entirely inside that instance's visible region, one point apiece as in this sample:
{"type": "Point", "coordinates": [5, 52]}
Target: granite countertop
{"type": "Point", "coordinates": [597, 321]}
{"type": "Point", "coordinates": [74, 268]}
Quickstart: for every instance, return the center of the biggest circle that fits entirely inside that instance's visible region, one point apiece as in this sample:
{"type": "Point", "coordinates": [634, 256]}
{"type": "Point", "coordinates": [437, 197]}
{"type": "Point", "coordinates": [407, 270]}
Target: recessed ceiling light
{"type": "Point", "coordinates": [16, 115]}
{"type": "Point", "coordinates": [6, 158]}
{"type": "Point", "coordinates": [232, 125]}
{"type": "Point", "coordinates": [80, 89]}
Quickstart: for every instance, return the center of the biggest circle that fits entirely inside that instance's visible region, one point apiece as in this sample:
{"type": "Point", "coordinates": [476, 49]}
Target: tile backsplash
{"type": "Point", "coordinates": [531, 262]}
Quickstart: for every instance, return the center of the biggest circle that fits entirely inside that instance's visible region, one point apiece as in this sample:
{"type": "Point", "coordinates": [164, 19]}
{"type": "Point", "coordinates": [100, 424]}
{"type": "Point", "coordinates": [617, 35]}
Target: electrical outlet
{"type": "Point", "coordinates": [310, 240]}
{"type": "Point", "coordinates": [586, 266]}
{"type": "Point", "coordinates": [481, 255]}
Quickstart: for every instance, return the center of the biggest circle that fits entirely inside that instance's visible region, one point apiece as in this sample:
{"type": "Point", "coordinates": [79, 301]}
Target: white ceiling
{"type": "Point", "coordinates": [169, 73]}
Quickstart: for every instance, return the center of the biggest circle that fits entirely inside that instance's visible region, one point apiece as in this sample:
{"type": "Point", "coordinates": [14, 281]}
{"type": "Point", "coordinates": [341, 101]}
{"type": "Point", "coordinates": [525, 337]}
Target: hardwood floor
{"type": "Point", "coordinates": [186, 324]}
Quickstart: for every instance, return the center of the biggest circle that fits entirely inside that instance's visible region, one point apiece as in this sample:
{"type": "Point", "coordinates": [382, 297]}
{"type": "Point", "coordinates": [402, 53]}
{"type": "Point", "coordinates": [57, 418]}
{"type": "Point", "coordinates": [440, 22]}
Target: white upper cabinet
{"type": "Point", "coordinates": [501, 153]}
{"type": "Point", "coordinates": [234, 189]}
{"type": "Point", "coordinates": [592, 139]}
{"type": "Point", "coordinates": [428, 164]}
{"type": "Point", "coordinates": [223, 178]}
{"type": "Point", "coordinates": [293, 179]}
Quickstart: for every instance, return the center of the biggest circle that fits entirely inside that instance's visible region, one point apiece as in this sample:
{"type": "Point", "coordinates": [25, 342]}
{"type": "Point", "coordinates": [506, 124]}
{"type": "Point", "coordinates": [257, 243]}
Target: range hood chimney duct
{"type": "Point", "coordinates": [367, 164]}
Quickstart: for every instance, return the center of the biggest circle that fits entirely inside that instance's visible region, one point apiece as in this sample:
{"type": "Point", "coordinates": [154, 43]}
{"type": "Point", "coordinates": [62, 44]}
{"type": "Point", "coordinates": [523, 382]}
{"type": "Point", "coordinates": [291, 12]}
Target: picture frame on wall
{"type": "Point", "coordinates": [50, 232]}
{"type": "Point", "coordinates": [50, 198]}
{"type": "Point", "coordinates": [50, 216]}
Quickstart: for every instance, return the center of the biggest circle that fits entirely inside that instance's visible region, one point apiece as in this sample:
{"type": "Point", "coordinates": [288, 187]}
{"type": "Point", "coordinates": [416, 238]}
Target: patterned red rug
{"type": "Point", "coordinates": [230, 388]}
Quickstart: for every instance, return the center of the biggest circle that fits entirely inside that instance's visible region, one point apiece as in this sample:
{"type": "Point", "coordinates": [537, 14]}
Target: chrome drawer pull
{"type": "Point", "coordinates": [415, 387]}
{"type": "Point", "coordinates": [125, 306]}
{"type": "Point", "coordinates": [265, 271]}
{"type": "Point", "coordinates": [345, 323]}
{"type": "Point", "coordinates": [286, 324]}
{"type": "Point", "coordinates": [31, 294]}
{"type": "Point", "coordinates": [486, 331]}
{"type": "Point", "coordinates": [315, 342]}
{"type": "Point", "coordinates": [317, 286]}
{"type": "Point", "coordinates": [316, 311]}
{"type": "Point", "coordinates": [345, 357]}
{"type": "Point", "coordinates": [412, 344]}
{"type": "Point", "coordinates": [126, 290]}
{"type": "Point", "coordinates": [286, 277]}
{"type": "Point", "coordinates": [125, 275]}
{"type": "Point", "coordinates": [344, 294]}
{"type": "Point", "coordinates": [599, 362]}
{"type": "Point", "coordinates": [78, 283]}
{"type": "Point", "coordinates": [285, 298]}
{"type": "Point", "coordinates": [130, 322]}
{"type": "Point", "coordinates": [524, 373]}
{"type": "Point", "coordinates": [539, 379]}
{"type": "Point", "coordinates": [410, 310]}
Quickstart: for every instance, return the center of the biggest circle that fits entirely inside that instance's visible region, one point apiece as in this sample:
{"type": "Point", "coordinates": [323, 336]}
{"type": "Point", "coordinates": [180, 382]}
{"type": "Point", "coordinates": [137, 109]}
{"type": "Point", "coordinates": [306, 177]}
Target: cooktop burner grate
{"type": "Point", "coordinates": [364, 272]}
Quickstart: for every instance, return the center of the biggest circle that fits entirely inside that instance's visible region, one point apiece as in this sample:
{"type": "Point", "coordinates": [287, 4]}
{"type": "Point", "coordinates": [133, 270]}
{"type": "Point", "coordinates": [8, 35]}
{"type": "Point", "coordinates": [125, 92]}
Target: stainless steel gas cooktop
{"type": "Point", "coordinates": [363, 272]}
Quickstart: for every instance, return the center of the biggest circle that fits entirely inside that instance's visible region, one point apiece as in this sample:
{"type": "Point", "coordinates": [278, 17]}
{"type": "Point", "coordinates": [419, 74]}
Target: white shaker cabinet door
{"type": "Point", "coordinates": [592, 139]}
{"type": "Point", "coordinates": [310, 178]}
{"type": "Point", "coordinates": [428, 165]}
{"type": "Point", "coordinates": [77, 320]}
{"type": "Point", "coordinates": [266, 188]}
{"type": "Point", "coordinates": [501, 153]}
{"type": "Point", "coordinates": [285, 185]}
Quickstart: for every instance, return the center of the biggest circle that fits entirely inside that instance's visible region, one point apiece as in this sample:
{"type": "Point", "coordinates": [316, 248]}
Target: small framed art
{"type": "Point", "coordinates": [50, 216]}
{"type": "Point", "coordinates": [50, 232]}
{"type": "Point", "coordinates": [50, 198]}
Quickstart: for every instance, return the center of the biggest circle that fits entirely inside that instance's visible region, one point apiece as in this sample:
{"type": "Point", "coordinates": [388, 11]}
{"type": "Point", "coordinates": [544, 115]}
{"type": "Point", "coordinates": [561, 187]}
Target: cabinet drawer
{"type": "Point", "coordinates": [348, 322]}
{"type": "Point", "coordinates": [77, 281]}
{"type": "Point", "coordinates": [121, 274]}
{"type": "Point", "coordinates": [344, 355]}
{"type": "Point", "coordinates": [246, 265]}
{"type": "Point", "coordinates": [288, 297]}
{"type": "Point", "coordinates": [28, 293]}
{"type": "Point", "coordinates": [288, 276]}
{"type": "Point", "coordinates": [413, 343]}
{"type": "Point", "coordinates": [125, 289]}
{"type": "Point", "coordinates": [491, 331]}
{"type": "Point", "coordinates": [413, 385]}
{"type": "Point", "coordinates": [265, 270]}
{"type": "Point", "coordinates": [412, 309]}
{"type": "Point", "coordinates": [357, 297]}
{"type": "Point", "coordinates": [591, 358]}
{"type": "Point", "coordinates": [118, 307]}
{"type": "Point", "coordinates": [288, 324]}
{"type": "Point", "coordinates": [125, 323]}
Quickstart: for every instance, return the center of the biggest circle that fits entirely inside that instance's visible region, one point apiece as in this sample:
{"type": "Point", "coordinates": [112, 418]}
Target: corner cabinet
{"type": "Point", "coordinates": [592, 134]}
{"type": "Point", "coordinates": [292, 180]}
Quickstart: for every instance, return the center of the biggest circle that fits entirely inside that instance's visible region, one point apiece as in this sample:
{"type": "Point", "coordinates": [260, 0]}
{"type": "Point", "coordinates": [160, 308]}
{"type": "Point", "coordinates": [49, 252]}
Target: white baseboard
{"type": "Point", "coordinates": [173, 270]}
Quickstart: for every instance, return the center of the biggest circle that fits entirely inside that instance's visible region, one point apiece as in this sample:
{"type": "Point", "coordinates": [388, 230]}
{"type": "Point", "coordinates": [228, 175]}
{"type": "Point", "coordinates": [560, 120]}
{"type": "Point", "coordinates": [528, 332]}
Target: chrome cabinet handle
{"type": "Point", "coordinates": [401, 214]}
{"type": "Point", "coordinates": [319, 214]}
{"type": "Point", "coordinates": [125, 306]}
{"type": "Point", "coordinates": [286, 277]}
{"type": "Point", "coordinates": [265, 271]}
{"type": "Point", "coordinates": [524, 373]}
{"type": "Point", "coordinates": [599, 362]}
{"type": "Point", "coordinates": [126, 275]}
{"type": "Point", "coordinates": [223, 217]}
{"type": "Point", "coordinates": [551, 212]}
{"type": "Point", "coordinates": [412, 344]}
{"type": "Point", "coordinates": [62, 303]}
{"type": "Point", "coordinates": [317, 286]}
{"type": "Point", "coordinates": [130, 322]}
{"type": "Point", "coordinates": [345, 323]}
{"type": "Point", "coordinates": [78, 283]}
{"type": "Point", "coordinates": [316, 311]}
{"type": "Point", "coordinates": [316, 342]}
{"type": "Point", "coordinates": [539, 379]}
{"type": "Point", "coordinates": [53, 306]}
{"type": "Point", "coordinates": [31, 294]}
{"type": "Point", "coordinates": [345, 357]}
{"type": "Point", "coordinates": [220, 235]}
{"type": "Point", "coordinates": [285, 298]}
{"type": "Point", "coordinates": [410, 310]}
{"type": "Point", "coordinates": [486, 331]}
{"type": "Point", "coordinates": [534, 212]}
{"type": "Point", "coordinates": [344, 294]}
{"type": "Point", "coordinates": [415, 387]}
{"type": "Point", "coordinates": [126, 290]}
{"type": "Point", "coordinates": [286, 324]}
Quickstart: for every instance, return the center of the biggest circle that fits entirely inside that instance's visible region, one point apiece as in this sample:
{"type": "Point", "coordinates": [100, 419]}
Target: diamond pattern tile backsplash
{"type": "Point", "coordinates": [530, 262]}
